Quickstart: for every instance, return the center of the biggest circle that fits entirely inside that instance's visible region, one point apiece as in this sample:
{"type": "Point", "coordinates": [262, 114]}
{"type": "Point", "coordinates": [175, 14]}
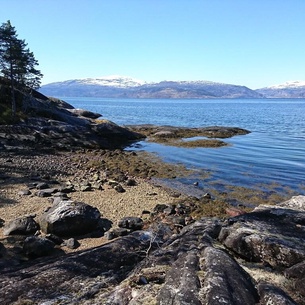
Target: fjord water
{"type": "Point", "coordinates": [272, 154]}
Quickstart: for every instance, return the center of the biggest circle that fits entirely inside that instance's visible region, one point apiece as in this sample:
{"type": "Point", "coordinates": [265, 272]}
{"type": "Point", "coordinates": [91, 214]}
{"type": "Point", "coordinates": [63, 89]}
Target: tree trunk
{"type": "Point", "coordinates": [13, 97]}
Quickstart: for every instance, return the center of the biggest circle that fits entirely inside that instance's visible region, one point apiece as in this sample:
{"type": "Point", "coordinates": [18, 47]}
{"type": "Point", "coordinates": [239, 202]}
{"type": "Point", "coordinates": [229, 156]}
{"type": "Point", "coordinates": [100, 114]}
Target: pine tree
{"type": "Point", "coordinates": [17, 63]}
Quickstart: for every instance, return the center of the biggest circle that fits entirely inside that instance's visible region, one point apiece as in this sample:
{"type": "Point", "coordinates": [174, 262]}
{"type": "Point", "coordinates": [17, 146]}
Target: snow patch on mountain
{"type": "Point", "coordinates": [290, 89]}
{"type": "Point", "coordinates": [289, 84]}
{"type": "Point", "coordinates": [114, 81]}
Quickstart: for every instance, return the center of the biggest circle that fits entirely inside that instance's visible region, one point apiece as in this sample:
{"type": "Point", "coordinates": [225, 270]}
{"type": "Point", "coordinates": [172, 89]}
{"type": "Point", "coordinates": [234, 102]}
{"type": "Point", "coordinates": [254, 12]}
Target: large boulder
{"type": "Point", "coordinates": [274, 235]}
{"type": "Point", "coordinates": [69, 218]}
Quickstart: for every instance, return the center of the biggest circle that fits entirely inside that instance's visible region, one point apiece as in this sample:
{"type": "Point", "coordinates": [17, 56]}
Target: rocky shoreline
{"type": "Point", "coordinates": [162, 251]}
{"type": "Point", "coordinates": [83, 222]}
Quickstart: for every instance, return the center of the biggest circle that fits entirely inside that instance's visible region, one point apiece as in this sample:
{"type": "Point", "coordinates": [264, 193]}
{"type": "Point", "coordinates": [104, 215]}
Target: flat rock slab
{"type": "Point", "coordinates": [76, 277]}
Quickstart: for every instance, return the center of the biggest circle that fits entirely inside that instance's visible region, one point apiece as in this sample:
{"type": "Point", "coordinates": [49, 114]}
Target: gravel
{"type": "Point", "coordinates": [20, 169]}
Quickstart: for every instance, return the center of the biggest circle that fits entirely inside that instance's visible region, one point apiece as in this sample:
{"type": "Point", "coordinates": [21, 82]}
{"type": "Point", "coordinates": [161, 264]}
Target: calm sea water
{"type": "Point", "coordinates": [272, 154]}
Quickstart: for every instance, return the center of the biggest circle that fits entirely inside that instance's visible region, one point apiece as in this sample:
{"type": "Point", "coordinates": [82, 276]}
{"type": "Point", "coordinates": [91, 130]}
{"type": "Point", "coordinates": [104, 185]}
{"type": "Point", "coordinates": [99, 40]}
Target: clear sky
{"type": "Point", "coordinates": [255, 43]}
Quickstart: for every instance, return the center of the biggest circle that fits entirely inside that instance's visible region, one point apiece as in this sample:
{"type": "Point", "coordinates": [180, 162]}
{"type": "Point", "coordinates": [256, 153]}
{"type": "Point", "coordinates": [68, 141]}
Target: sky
{"type": "Point", "coordinates": [255, 43]}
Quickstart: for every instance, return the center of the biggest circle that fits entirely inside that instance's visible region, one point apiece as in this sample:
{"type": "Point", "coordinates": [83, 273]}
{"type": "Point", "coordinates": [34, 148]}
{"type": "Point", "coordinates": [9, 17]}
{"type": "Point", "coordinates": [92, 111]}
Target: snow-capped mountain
{"type": "Point", "coordinates": [127, 87]}
{"type": "Point", "coordinates": [113, 81]}
{"type": "Point", "coordinates": [290, 89]}
{"type": "Point", "coordinates": [289, 84]}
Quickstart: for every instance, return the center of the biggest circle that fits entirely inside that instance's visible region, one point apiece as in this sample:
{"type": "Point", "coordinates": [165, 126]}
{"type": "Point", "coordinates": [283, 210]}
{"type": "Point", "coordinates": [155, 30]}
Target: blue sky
{"type": "Point", "coordinates": [255, 43]}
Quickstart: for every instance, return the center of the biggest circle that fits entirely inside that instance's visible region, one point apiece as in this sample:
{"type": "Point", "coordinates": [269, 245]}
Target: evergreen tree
{"type": "Point", "coordinates": [17, 63]}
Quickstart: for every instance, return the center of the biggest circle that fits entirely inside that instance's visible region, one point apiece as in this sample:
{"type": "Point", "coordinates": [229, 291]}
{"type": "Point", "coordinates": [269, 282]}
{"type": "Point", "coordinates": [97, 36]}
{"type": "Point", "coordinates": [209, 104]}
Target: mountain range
{"type": "Point", "coordinates": [127, 87]}
{"type": "Point", "coordinates": [293, 89]}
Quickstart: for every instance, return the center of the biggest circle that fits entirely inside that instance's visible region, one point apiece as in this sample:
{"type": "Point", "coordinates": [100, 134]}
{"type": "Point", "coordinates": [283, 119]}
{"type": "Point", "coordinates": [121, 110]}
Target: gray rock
{"type": "Point", "coordinates": [169, 210]}
{"type": "Point", "coordinates": [41, 186]}
{"type": "Point", "coordinates": [104, 224]}
{"type": "Point", "coordinates": [34, 247]}
{"type": "Point", "coordinates": [97, 268]}
{"type": "Point", "coordinates": [225, 282]}
{"type": "Point", "coordinates": [97, 185]}
{"type": "Point", "coordinates": [22, 225]}
{"type": "Point", "coordinates": [56, 200]}
{"type": "Point", "coordinates": [296, 203]}
{"type": "Point", "coordinates": [67, 189]}
{"type": "Point", "coordinates": [164, 134]}
{"type": "Point", "coordinates": [132, 223]}
{"type": "Point", "coordinates": [85, 113]}
{"type": "Point", "coordinates": [60, 194]}
{"type": "Point", "coordinates": [46, 192]}
{"type": "Point", "coordinates": [65, 129]}
{"type": "Point", "coordinates": [182, 283]}
{"type": "Point", "coordinates": [85, 188]}
{"type": "Point", "coordinates": [71, 243]}
{"type": "Point", "coordinates": [24, 192]}
{"type": "Point", "coordinates": [271, 294]}
{"type": "Point", "coordinates": [116, 232]}
{"type": "Point", "coordinates": [131, 182]}
{"type": "Point", "coordinates": [157, 266]}
{"type": "Point", "coordinates": [119, 188]}
{"type": "Point", "coordinates": [269, 234]}
{"type": "Point", "coordinates": [55, 239]}
{"type": "Point", "coordinates": [159, 208]}
{"type": "Point", "coordinates": [69, 218]}
{"type": "Point", "coordinates": [113, 183]}
{"type": "Point", "coordinates": [296, 273]}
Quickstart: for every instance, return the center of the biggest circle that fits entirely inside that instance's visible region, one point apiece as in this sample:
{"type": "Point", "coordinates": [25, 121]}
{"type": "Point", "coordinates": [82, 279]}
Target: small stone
{"type": "Point", "coordinates": [24, 193]}
{"type": "Point", "coordinates": [55, 239]}
{"type": "Point", "coordinates": [169, 210]}
{"type": "Point", "coordinates": [85, 188]}
{"type": "Point", "coordinates": [142, 280]}
{"type": "Point", "coordinates": [159, 208]}
{"type": "Point", "coordinates": [207, 196]}
{"type": "Point", "coordinates": [116, 232]}
{"type": "Point", "coordinates": [46, 192]}
{"type": "Point", "coordinates": [97, 185]}
{"type": "Point", "coordinates": [69, 188]}
{"type": "Point", "coordinates": [57, 200]}
{"type": "Point", "coordinates": [60, 194]}
{"type": "Point", "coordinates": [131, 182]}
{"type": "Point", "coordinates": [132, 223]}
{"type": "Point", "coordinates": [112, 183]}
{"type": "Point", "coordinates": [42, 185]}
{"type": "Point", "coordinates": [119, 188]}
{"type": "Point", "coordinates": [72, 243]}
